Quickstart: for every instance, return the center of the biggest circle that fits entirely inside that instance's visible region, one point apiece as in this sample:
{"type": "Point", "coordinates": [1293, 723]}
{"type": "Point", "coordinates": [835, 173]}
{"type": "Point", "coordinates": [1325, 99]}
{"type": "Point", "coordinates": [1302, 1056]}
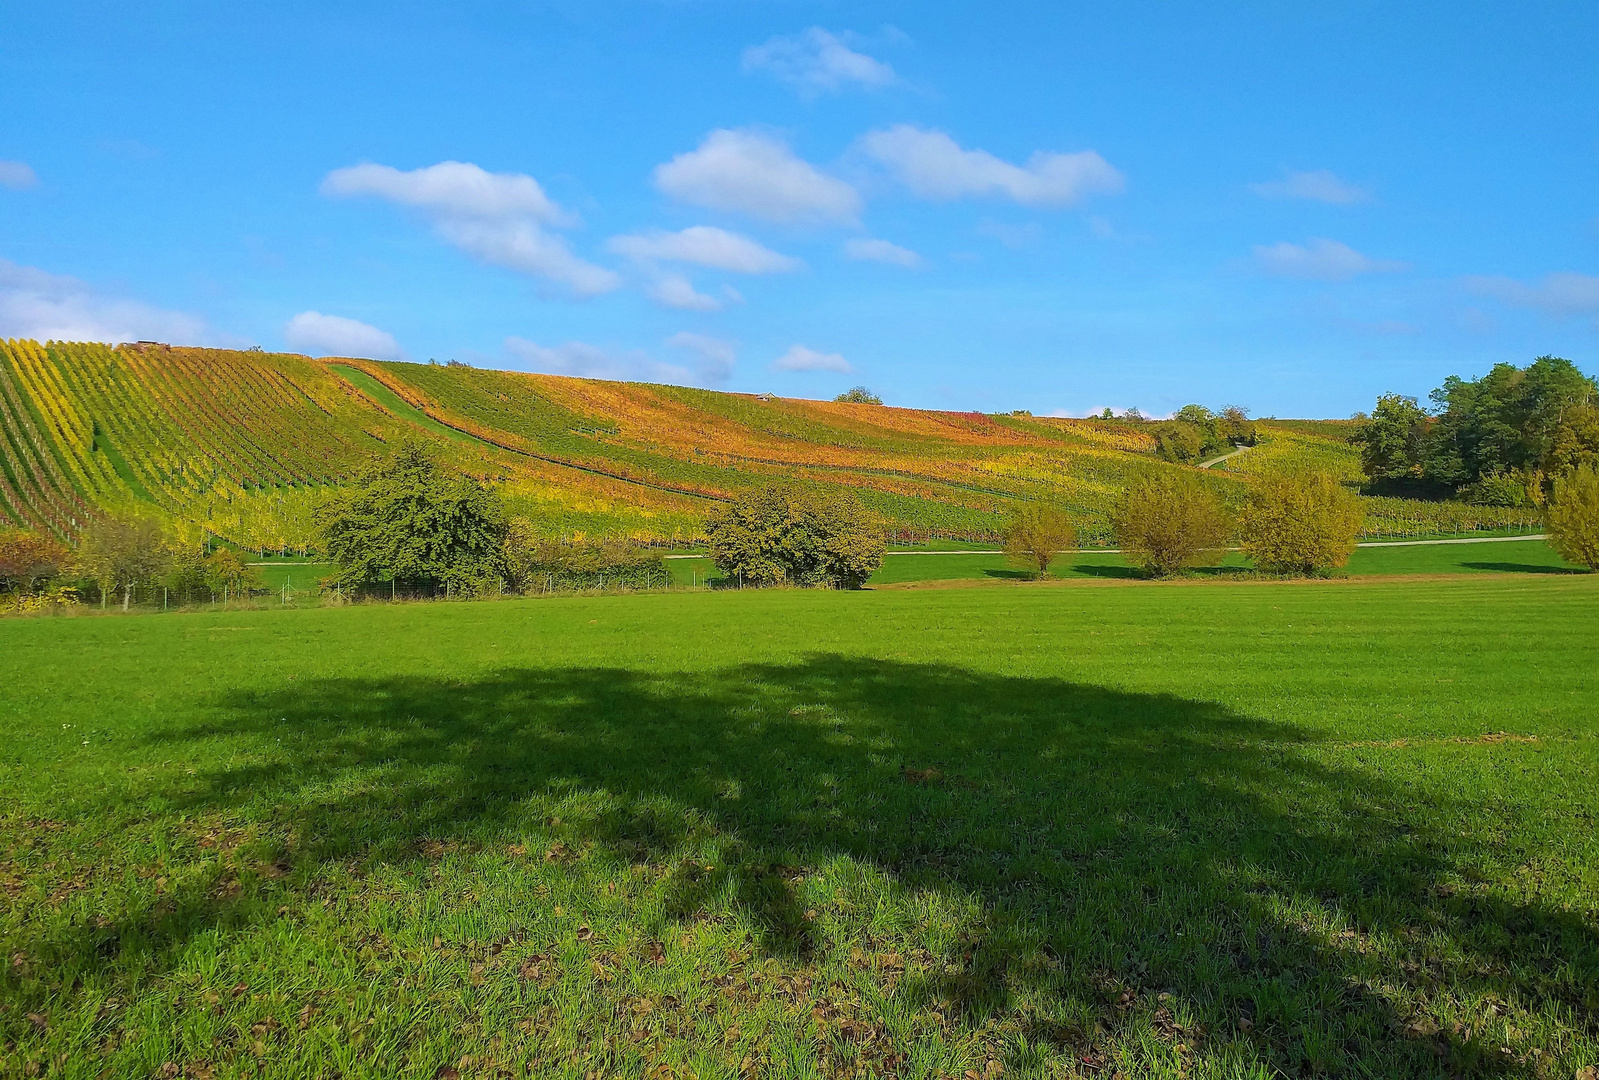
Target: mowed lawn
{"type": "Point", "coordinates": [1187, 830]}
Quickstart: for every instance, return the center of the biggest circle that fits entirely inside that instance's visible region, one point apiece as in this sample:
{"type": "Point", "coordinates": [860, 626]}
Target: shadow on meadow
{"type": "Point", "coordinates": [1119, 845]}
{"type": "Point", "coordinates": [1525, 568]}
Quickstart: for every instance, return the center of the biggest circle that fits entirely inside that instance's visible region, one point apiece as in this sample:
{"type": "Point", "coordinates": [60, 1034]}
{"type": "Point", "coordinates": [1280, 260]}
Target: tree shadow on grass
{"type": "Point", "coordinates": [1116, 845]}
{"type": "Point", "coordinates": [1525, 568]}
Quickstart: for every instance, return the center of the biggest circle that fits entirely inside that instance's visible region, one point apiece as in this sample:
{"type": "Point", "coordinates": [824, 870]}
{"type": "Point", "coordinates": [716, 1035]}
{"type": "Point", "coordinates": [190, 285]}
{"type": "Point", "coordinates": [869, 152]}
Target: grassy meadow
{"type": "Point", "coordinates": [1243, 829]}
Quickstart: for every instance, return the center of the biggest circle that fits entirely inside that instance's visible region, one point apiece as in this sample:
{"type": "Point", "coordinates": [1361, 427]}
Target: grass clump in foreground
{"type": "Point", "coordinates": [1021, 832]}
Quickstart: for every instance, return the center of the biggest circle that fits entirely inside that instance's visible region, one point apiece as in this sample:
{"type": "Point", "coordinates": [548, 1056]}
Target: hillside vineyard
{"type": "Point", "coordinates": [242, 444]}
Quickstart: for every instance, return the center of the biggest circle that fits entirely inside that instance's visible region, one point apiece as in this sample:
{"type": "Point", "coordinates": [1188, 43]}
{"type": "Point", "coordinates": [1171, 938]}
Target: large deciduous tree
{"type": "Point", "coordinates": [411, 520]}
{"type": "Point", "coordinates": [780, 534]}
{"type": "Point", "coordinates": [1170, 520]}
{"type": "Point", "coordinates": [1300, 523]}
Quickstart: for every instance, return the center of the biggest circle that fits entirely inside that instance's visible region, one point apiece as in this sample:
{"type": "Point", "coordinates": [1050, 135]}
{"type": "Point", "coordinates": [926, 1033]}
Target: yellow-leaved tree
{"type": "Point", "coordinates": [1573, 516]}
{"type": "Point", "coordinates": [1300, 523]}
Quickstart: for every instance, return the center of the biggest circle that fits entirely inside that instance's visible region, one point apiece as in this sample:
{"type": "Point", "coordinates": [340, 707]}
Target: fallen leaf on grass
{"type": "Point", "coordinates": [585, 932]}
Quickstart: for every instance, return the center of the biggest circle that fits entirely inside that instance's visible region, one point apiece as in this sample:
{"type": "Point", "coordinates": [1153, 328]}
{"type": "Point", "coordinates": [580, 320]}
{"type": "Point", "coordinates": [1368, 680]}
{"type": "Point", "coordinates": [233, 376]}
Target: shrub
{"type": "Point", "coordinates": [535, 563]}
{"type": "Point", "coordinates": [859, 395]}
{"type": "Point", "coordinates": [783, 534]}
{"type": "Point", "coordinates": [1166, 521]}
{"type": "Point", "coordinates": [28, 561]}
{"type": "Point", "coordinates": [227, 574]}
{"type": "Point", "coordinates": [411, 520]}
{"type": "Point", "coordinates": [1035, 533]}
{"type": "Point", "coordinates": [1300, 523]}
{"type": "Point", "coordinates": [1573, 516]}
{"type": "Point", "coordinates": [1500, 488]}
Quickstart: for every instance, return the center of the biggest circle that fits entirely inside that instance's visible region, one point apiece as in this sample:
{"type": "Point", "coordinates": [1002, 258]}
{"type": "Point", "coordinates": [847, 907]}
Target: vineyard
{"type": "Point", "coordinates": [243, 445]}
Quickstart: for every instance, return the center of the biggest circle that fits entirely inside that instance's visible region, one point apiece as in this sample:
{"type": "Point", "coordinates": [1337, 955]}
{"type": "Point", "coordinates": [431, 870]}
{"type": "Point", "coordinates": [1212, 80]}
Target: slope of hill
{"type": "Point", "coordinates": [244, 443]}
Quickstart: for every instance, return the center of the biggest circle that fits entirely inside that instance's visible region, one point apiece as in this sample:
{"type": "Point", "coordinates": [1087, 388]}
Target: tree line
{"type": "Point", "coordinates": [411, 521]}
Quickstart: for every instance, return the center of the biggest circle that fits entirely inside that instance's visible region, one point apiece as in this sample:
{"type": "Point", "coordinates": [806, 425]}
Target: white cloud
{"type": "Point", "coordinates": [934, 166]}
{"type": "Point", "coordinates": [1318, 185]}
{"type": "Point", "coordinates": [704, 245]}
{"type": "Point", "coordinates": [870, 250]}
{"type": "Point", "coordinates": [799, 358]}
{"type": "Point", "coordinates": [715, 356]}
{"type": "Point", "coordinates": [498, 218]}
{"type": "Point", "coordinates": [453, 188]}
{"type": "Point", "coordinates": [752, 173]}
{"type": "Point", "coordinates": [1012, 236]}
{"type": "Point", "coordinates": [44, 306]}
{"type": "Point", "coordinates": [1563, 295]}
{"type": "Point", "coordinates": [816, 61]}
{"type": "Point", "coordinates": [586, 361]}
{"type": "Point", "coordinates": [334, 335]}
{"type": "Point", "coordinates": [1320, 260]}
{"type": "Point", "coordinates": [677, 291]}
{"type": "Point", "coordinates": [17, 175]}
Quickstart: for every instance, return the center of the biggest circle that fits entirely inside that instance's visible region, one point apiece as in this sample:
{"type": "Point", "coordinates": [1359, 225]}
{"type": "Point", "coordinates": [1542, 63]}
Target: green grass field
{"type": "Point", "coordinates": [1191, 830]}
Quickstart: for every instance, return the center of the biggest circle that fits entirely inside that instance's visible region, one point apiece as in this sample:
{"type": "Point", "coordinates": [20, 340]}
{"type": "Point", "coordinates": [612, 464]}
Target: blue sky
{"type": "Point", "coordinates": [1048, 206]}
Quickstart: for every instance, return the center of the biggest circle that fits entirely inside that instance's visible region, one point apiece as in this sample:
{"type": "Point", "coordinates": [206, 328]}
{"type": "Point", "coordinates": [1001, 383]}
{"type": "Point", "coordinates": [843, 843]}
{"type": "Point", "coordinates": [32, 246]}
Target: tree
{"type": "Point", "coordinates": [859, 395]}
{"type": "Point", "coordinates": [411, 520]}
{"type": "Point", "coordinates": [28, 560]}
{"type": "Point", "coordinates": [1190, 435]}
{"type": "Point", "coordinates": [1035, 533]}
{"type": "Point", "coordinates": [1168, 520]}
{"type": "Point", "coordinates": [1300, 522]}
{"type": "Point", "coordinates": [121, 554]}
{"type": "Point", "coordinates": [1392, 441]}
{"type": "Point", "coordinates": [789, 534]}
{"type": "Point", "coordinates": [1236, 427]}
{"type": "Point", "coordinates": [1573, 516]}
{"type": "Point", "coordinates": [227, 574]}
{"type": "Point", "coordinates": [1506, 420]}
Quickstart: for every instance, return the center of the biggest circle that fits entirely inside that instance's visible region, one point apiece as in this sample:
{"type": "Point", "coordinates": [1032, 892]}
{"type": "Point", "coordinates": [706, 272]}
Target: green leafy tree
{"type": "Point", "coordinates": [123, 554]}
{"type": "Point", "coordinates": [1507, 420]}
{"type": "Point", "coordinates": [1393, 440]}
{"type": "Point", "coordinates": [1035, 533]}
{"type": "Point", "coordinates": [1573, 516]}
{"type": "Point", "coordinates": [1235, 426]}
{"type": "Point", "coordinates": [859, 395]}
{"type": "Point", "coordinates": [1575, 442]}
{"type": "Point", "coordinates": [788, 534]}
{"type": "Point", "coordinates": [1191, 435]}
{"type": "Point", "coordinates": [1169, 520]}
{"type": "Point", "coordinates": [1300, 523]}
{"type": "Point", "coordinates": [411, 520]}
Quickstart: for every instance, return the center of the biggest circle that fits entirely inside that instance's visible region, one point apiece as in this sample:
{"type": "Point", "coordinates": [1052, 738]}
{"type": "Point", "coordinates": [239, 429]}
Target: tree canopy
{"type": "Point", "coordinates": [789, 534]}
{"type": "Point", "coordinates": [1534, 421]}
{"type": "Point", "coordinates": [411, 520]}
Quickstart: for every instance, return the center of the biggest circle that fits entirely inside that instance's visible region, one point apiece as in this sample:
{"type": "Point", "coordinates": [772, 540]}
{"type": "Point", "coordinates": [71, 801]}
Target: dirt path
{"type": "Point", "coordinates": [1224, 457]}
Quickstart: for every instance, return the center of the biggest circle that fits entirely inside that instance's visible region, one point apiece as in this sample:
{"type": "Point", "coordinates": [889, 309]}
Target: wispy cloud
{"type": "Point", "coordinates": [17, 175]}
{"type": "Point", "coordinates": [677, 291]}
{"type": "Point", "coordinates": [44, 306]}
{"type": "Point", "coordinates": [1320, 259]}
{"type": "Point", "coordinates": [865, 249]}
{"type": "Point", "coordinates": [334, 335]}
{"type": "Point", "coordinates": [1317, 185]}
{"type": "Point", "coordinates": [816, 61]}
{"type": "Point", "coordinates": [934, 166]}
{"type": "Point", "coordinates": [714, 357]}
{"type": "Point", "coordinates": [754, 173]}
{"type": "Point", "coordinates": [594, 362]}
{"type": "Point", "coordinates": [497, 218]}
{"type": "Point", "coordinates": [704, 245]}
{"type": "Point", "coordinates": [1563, 295]}
{"type": "Point", "coordinates": [799, 358]}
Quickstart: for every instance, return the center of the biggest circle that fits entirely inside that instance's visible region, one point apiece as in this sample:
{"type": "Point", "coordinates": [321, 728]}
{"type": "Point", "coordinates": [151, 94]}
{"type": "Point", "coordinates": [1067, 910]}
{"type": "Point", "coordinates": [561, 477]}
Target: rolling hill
{"type": "Point", "coordinates": [244, 444]}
